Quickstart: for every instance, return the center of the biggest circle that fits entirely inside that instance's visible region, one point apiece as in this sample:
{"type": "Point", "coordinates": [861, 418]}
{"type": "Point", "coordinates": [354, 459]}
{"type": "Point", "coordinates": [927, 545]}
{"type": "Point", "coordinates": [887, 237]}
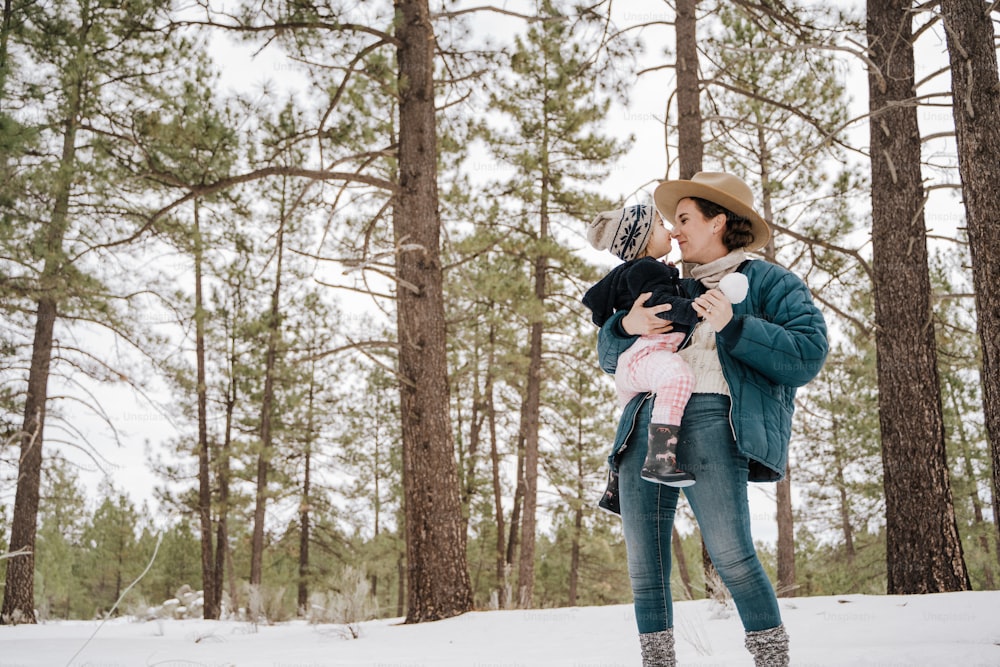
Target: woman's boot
{"type": "Point", "coordinates": [769, 647]}
{"type": "Point", "coordinates": [661, 457]}
{"type": "Point", "coordinates": [658, 648]}
{"type": "Point", "coordinates": [609, 501]}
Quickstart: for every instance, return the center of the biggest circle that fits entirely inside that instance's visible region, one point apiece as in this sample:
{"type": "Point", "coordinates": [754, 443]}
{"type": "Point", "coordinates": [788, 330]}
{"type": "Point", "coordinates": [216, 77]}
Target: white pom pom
{"type": "Point", "coordinates": [734, 286]}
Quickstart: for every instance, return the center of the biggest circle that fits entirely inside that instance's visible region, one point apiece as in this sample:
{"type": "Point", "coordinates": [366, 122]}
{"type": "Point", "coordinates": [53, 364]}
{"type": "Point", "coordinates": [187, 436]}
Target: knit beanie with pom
{"type": "Point", "coordinates": [625, 232]}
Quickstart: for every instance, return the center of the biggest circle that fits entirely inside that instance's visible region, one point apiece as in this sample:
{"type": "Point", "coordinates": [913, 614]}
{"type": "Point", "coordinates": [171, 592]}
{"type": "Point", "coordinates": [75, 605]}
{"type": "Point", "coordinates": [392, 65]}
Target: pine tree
{"type": "Point", "coordinates": [690, 146]}
{"type": "Point", "coordinates": [976, 108]}
{"type": "Point", "coordinates": [581, 417]}
{"type": "Point", "coordinates": [98, 58]}
{"type": "Point", "coordinates": [403, 165]}
{"type": "Point", "coordinates": [486, 369]}
{"type": "Point", "coordinates": [554, 106]}
{"type": "Point", "coordinates": [188, 142]}
{"type": "Point", "coordinates": [924, 549]}
{"type": "Point", "coordinates": [372, 474]}
{"type": "Point", "coordinates": [110, 561]}
{"type": "Point", "coordinates": [438, 580]}
{"type": "Point", "coordinates": [836, 445]}
{"type": "Point", "coordinates": [961, 395]}
{"type": "Point", "coordinates": [174, 565]}
{"type": "Point", "coordinates": [61, 514]}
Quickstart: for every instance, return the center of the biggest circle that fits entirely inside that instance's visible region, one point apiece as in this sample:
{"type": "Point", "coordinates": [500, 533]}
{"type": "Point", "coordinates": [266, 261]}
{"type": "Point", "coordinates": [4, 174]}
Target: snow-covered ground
{"type": "Point", "coordinates": [953, 629]}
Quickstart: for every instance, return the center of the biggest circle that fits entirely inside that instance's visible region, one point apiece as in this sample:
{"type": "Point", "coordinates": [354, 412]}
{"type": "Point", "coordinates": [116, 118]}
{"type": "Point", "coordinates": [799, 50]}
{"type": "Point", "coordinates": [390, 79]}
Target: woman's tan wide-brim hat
{"type": "Point", "coordinates": [723, 189]}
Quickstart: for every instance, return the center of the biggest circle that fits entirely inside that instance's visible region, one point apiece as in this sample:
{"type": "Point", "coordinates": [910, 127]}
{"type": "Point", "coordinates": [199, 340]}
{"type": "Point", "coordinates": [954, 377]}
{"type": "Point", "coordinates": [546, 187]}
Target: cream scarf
{"type": "Point", "coordinates": [710, 274]}
{"type": "Point", "coordinates": [701, 354]}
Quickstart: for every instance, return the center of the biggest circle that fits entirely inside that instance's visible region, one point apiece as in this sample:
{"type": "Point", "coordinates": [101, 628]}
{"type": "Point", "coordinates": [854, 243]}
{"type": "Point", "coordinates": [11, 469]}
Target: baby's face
{"type": "Point", "coordinates": [659, 244]}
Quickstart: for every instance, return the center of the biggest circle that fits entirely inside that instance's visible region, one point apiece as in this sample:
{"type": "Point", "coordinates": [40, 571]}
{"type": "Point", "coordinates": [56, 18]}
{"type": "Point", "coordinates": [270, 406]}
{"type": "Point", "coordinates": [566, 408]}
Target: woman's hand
{"type": "Point", "coordinates": [714, 308]}
{"type": "Point", "coordinates": [642, 321]}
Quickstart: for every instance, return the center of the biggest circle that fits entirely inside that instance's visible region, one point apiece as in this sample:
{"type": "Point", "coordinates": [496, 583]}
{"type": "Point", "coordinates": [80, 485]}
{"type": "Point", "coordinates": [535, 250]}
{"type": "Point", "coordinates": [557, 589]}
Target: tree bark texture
{"type": "Point", "coordinates": [976, 107]}
{"type": "Point", "coordinates": [530, 415]}
{"type": "Point", "coordinates": [844, 501]}
{"type": "Point", "coordinates": [786, 538]}
{"type": "Point", "coordinates": [501, 562]}
{"type": "Point", "coordinates": [266, 410]}
{"type": "Point", "coordinates": [783, 497]}
{"type": "Point", "coordinates": [19, 589]}
{"type": "Point", "coordinates": [19, 592]}
{"type": "Point", "coordinates": [304, 533]}
{"type": "Point", "coordinates": [924, 552]}
{"type": "Point", "coordinates": [212, 607]}
{"type": "Point", "coordinates": [574, 556]}
{"type": "Point", "coordinates": [682, 567]}
{"type": "Point", "coordinates": [223, 554]}
{"type": "Point", "coordinates": [438, 584]}
{"type": "Point", "coordinates": [690, 149]}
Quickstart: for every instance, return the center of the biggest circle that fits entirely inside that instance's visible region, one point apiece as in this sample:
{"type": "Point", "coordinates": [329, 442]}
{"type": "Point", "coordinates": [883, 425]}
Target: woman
{"type": "Point", "coordinates": [747, 360]}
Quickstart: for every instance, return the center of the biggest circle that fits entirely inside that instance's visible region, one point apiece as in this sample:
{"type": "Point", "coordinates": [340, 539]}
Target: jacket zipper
{"type": "Point", "coordinates": [732, 426]}
{"type": "Point", "coordinates": [631, 428]}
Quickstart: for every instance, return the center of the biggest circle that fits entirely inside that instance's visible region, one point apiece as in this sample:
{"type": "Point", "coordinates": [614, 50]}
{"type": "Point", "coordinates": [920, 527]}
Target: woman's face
{"type": "Point", "coordinates": [699, 238]}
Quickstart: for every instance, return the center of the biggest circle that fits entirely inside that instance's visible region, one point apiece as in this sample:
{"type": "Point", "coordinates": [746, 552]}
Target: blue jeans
{"type": "Point", "coordinates": [719, 501]}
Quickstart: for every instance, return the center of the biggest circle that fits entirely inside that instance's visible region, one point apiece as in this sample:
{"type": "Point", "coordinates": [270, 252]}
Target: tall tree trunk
{"type": "Point", "coordinates": [994, 502]}
{"type": "Point", "coordinates": [845, 514]}
{"type": "Point", "coordinates": [469, 482]}
{"type": "Point", "coordinates": [783, 499]}
{"type": "Point", "coordinates": [531, 409]}
{"type": "Point", "coordinates": [491, 416]}
{"type": "Point", "coordinates": [924, 552]}
{"type": "Point", "coordinates": [976, 107]}
{"type": "Point", "coordinates": [8, 13]}
{"type": "Point", "coordinates": [401, 588]}
{"type": "Point", "coordinates": [223, 554]}
{"type": "Point", "coordinates": [438, 583]}
{"type": "Point", "coordinates": [682, 566]}
{"type": "Point", "coordinates": [513, 538]}
{"type": "Point", "coordinates": [786, 538]}
{"type": "Point", "coordinates": [304, 524]}
{"type": "Point", "coordinates": [690, 148]}
{"type": "Point", "coordinates": [305, 509]}
{"type": "Point", "coordinates": [840, 484]}
{"type": "Point", "coordinates": [19, 591]}
{"type": "Point", "coordinates": [376, 491]}
{"type": "Point", "coordinates": [266, 410]}
{"type": "Point", "coordinates": [574, 556]}
{"type": "Point", "coordinates": [210, 590]}
{"type": "Point", "coordinates": [222, 530]}
{"type": "Point", "coordinates": [979, 524]}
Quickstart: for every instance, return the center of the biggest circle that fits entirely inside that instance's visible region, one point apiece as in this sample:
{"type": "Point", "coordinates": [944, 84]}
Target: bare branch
{"type": "Point", "coordinates": [23, 551]}
{"type": "Point", "coordinates": [289, 26]}
{"type": "Point", "coordinates": [489, 8]}
{"type": "Point", "coordinates": [355, 289]}
{"type": "Point", "coordinates": [359, 346]}
{"type": "Point", "coordinates": [195, 191]}
{"type": "Point", "coordinates": [856, 52]}
{"type": "Point", "coordinates": [829, 246]}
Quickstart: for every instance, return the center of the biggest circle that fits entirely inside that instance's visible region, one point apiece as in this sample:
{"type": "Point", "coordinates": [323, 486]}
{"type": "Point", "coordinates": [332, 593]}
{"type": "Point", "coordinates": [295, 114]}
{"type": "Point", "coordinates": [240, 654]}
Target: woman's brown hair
{"type": "Point", "coordinates": [737, 234]}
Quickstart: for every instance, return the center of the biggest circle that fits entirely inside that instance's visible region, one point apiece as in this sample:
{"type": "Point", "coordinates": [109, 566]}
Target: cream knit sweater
{"type": "Point", "coordinates": [700, 353]}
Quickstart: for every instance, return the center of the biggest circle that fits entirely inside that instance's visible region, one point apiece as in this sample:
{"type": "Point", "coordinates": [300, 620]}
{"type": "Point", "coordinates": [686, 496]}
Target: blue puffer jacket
{"type": "Point", "coordinates": [775, 343]}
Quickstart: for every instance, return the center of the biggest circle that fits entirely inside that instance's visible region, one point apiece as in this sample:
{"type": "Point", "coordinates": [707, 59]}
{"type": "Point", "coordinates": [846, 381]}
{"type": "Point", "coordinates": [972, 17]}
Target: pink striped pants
{"type": "Point", "coordinates": [651, 364]}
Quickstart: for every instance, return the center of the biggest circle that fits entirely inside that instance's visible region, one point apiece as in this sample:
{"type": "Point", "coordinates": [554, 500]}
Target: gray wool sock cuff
{"type": "Point", "coordinates": [658, 648]}
{"type": "Point", "coordinates": [769, 647]}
